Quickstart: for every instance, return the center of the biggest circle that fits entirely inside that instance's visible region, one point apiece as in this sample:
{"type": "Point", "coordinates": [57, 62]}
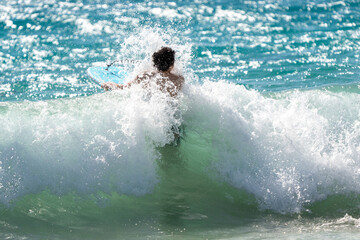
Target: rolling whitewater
{"type": "Point", "coordinates": [270, 113]}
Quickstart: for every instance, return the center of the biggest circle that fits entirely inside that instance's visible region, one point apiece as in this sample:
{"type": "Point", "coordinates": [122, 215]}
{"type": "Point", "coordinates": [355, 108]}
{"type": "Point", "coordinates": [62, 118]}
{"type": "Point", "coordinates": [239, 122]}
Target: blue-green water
{"type": "Point", "coordinates": [270, 112]}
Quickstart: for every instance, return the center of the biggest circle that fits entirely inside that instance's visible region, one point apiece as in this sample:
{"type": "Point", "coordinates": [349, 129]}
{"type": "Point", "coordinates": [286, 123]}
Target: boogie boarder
{"type": "Point", "coordinates": [163, 61]}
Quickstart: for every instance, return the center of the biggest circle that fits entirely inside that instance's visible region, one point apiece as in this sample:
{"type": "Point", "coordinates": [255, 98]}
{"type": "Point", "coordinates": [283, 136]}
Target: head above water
{"type": "Point", "coordinates": [164, 59]}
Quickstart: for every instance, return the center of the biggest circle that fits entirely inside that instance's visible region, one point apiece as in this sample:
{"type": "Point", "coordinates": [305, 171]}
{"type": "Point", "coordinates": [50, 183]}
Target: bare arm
{"type": "Point", "coordinates": [110, 85]}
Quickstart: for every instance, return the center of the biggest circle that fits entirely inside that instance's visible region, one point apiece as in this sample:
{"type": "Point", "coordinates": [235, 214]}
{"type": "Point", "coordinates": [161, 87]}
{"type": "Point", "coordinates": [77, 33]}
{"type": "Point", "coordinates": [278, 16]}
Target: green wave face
{"type": "Point", "coordinates": [244, 160]}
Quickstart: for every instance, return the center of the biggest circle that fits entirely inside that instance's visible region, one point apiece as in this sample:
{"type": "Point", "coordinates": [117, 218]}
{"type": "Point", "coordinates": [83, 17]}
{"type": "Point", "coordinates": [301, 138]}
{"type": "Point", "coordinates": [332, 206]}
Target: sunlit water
{"type": "Point", "coordinates": [270, 119]}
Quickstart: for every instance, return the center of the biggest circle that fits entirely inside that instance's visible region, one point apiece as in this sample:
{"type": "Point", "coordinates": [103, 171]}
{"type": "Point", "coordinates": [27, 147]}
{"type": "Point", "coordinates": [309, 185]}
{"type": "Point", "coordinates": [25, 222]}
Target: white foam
{"type": "Point", "coordinates": [100, 143]}
{"type": "Point", "coordinates": [145, 41]}
{"type": "Point", "coordinates": [288, 150]}
{"type": "Point", "coordinates": [105, 142]}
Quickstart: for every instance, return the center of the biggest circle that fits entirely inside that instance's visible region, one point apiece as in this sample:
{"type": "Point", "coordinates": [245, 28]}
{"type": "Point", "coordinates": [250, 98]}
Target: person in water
{"type": "Point", "coordinates": [163, 61]}
{"type": "Point", "coordinates": [166, 81]}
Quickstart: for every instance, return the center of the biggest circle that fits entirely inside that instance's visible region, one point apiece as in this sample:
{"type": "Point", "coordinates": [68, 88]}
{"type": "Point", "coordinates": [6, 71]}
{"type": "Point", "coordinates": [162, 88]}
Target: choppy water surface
{"type": "Point", "coordinates": [270, 114]}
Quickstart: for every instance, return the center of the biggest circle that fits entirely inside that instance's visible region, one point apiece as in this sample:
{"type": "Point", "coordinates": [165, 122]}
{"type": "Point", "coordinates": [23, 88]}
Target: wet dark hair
{"type": "Point", "coordinates": [164, 59]}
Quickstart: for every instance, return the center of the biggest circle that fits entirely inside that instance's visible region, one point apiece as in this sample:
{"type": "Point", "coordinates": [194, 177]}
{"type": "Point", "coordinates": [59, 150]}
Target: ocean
{"type": "Point", "coordinates": [270, 119]}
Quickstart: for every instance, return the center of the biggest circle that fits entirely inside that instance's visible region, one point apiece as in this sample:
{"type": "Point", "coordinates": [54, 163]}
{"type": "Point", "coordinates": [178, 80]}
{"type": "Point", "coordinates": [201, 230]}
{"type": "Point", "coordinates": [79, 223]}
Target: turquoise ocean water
{"type": "Point", "coordinates": [270, 112]}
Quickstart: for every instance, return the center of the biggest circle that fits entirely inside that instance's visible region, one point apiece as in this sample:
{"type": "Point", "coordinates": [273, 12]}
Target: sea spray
{"type": "Point", "coordinates": [143, 42]}
{"type": "Point", "coordinates": [100, 143]}
{"type": "Point", "coordinates": [289, 149]}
